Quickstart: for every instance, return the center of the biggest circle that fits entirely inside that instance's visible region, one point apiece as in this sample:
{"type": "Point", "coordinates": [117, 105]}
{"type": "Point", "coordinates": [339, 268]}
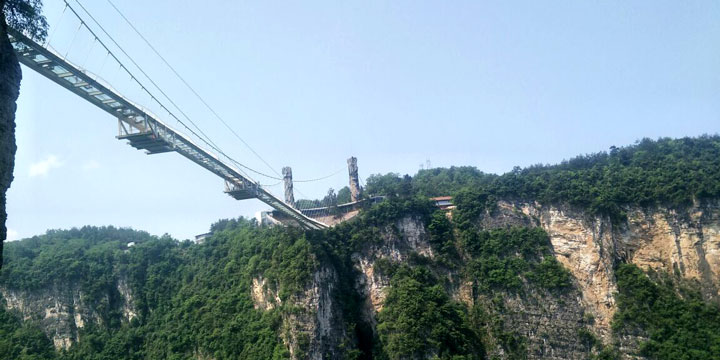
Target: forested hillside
{"type": "Point", "coordinates": [403, 280]}
{"type": "Point", "coordinates": [670, 172]}
{"type": "Point", "coordinates": [189, 299]}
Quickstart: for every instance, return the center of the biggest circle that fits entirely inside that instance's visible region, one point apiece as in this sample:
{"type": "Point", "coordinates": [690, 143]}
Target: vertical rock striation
{"type": "Point", "coordinates": [10, 76]}
{"type": "Point", "coordinates": [312, 322]}
{"type": "Point", "coordinates": [62, 310]}
{"type": "Point", "coordinates": [685, 242]}
{"type": "Point", "coordinates": [548, 321]}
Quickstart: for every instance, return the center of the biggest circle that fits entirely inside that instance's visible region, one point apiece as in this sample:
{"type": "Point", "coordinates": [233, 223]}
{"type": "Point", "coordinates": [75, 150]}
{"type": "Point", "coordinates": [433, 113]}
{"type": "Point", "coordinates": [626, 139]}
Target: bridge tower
{"type": "Point", "coordinates": [354, 182]}
{"type": "Point", "coordinates": [287, 179]}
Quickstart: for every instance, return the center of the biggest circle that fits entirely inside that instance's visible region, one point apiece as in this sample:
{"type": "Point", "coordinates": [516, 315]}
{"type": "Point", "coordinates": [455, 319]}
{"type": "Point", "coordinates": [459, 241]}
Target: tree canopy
{"type": "Point", "coordinates": [26, 16]}
{"type": "Point", "coordinates": [665, 172]}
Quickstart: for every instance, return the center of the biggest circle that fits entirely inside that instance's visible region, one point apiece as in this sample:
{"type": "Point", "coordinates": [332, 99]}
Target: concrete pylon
{"type": "Point", "coordinates": [287, 179]}
{"type": "Point", "coordinates": [354, 181]}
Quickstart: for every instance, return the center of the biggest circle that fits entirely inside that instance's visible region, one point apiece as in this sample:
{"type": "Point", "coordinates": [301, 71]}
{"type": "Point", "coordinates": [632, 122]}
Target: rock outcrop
{"type": "Point", "coordinates": [684, 242]}
{"type": "Point", "coordinates": [548, 321]}
{"type": "Point", "coordinates": [312, 326]}
{"type": "Point", "coordinates": [63, 309]}
{"type": "Point", "coordinates": [10, 76]}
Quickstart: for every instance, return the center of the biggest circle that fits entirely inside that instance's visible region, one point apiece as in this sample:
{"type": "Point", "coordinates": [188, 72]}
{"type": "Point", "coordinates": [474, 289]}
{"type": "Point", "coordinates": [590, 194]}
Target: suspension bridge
{"type": "Point", "coordinates": [145, 131]}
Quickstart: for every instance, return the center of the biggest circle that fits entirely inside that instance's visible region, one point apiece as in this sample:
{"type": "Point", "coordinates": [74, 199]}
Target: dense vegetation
{"type": "Point", "coordinates": [419, 316]}
{"type": "Point", "coordinates": [86, 255]}
{"type": "Point", "coordinates": [670, 172]}
{"type": "Point", "coordinates": [330, 200]}
{"type": "Point", "coordinates": [190, 299]}
{"type": "Point", "coordinates": [194, 300]}
{"type": "Point", "coordinates": [673, 315]}
{"type": "Point", "coordinates": [22, 341]}
{"type": "Point", "coordinates": [501, 257]}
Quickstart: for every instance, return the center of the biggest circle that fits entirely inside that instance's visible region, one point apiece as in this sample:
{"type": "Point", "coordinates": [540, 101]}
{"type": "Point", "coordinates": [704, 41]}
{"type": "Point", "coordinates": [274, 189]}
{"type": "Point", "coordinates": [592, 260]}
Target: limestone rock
{"type": "Point", "coordinates": [9, 91]}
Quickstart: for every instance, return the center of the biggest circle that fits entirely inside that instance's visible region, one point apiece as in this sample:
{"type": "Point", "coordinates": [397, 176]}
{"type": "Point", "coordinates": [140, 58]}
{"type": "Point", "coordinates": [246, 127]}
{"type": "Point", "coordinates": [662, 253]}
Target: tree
{"type": "Point", "coordinates": [330, 199]}
{"type": "Point", "coordinates": [343, 195]}
{"type": "Point", "coordinates": [26, 16]}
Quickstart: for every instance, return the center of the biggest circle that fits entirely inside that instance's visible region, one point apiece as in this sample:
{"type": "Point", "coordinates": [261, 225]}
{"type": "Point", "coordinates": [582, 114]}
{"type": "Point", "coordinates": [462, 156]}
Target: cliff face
{"type": "Point", "coordinates": [62, 310]}
{"type": "Point", "coordinates": [683, 242]}
{"type": "Point", "coordinates": [547, 322]}
{"type": "Point", "coordinates": [10, 76]}
{"type": "Point", "coordinates": [539, 322]}
{"type": "Point", "coordinates": [313, 329]}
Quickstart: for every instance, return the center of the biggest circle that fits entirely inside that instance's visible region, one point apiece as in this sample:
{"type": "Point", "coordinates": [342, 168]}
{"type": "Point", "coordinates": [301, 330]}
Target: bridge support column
{"type": "Point", "coordinates": [354, 181]}
{"type": "Point", "coordinates": [287, 179]}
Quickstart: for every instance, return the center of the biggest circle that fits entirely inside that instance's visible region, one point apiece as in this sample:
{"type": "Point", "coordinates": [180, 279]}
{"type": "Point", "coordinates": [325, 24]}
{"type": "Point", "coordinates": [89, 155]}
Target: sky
{"type": "Point", "coordinates": [399, 84]}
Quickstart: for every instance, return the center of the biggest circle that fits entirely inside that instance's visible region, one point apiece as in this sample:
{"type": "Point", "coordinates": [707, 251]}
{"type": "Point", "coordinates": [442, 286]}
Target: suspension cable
{"type": "Point", "coordinates": [197, 95]}
{"type": "Point", "coordinates": [143, 72]}
{"type": "Point", "coordinates": [204, 138]}
{"type": "Point", "coordinates": [144, 88]}
{"type": "Point", "coordinates": [57, 25]}
{"type": "Point", "coordinates": [205, 103]}
{"type": "Point", "coordinates": [73, 39]}
{"type": "Point", "coordinates": [320, 178]}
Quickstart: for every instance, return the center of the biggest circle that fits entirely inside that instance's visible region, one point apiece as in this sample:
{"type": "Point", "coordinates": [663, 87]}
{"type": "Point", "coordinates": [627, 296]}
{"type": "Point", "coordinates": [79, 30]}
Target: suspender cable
{"type": "Point", "coordinates": [142, 71]}
{"type": "Point", "coordinates": [197, 95]}
{"type": "Point", "coordinates": [144, 88]}
{"type": "Point", "coordinates": [205, 103]}
{"type": "Point", "coordinates": [57, 25]}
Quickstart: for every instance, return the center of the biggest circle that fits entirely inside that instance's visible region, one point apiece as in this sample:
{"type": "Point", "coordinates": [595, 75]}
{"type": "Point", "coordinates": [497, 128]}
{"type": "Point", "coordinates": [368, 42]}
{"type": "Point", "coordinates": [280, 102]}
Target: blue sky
{"type": "Point", "coordinates": [397, 84]}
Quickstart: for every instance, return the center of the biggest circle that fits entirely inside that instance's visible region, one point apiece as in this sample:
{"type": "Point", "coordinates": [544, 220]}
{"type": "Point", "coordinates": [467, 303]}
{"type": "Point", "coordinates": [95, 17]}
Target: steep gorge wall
{"type": "Point", "coordinates": [63, 309]}
{"type": "Point", "coordinates": [10, 76]}
{"type": "Point", "coordinates": [312, 322]}
{"type": "Point", "coordinates": [313, 326]}
{"type": "Point", "coordinates": [548, 321]}
{"type": "Point", "coordinates": [684, 242]}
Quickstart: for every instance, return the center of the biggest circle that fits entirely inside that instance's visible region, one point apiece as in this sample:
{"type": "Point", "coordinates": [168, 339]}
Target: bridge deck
{"type": "Point", "coordinates": [141, 129]}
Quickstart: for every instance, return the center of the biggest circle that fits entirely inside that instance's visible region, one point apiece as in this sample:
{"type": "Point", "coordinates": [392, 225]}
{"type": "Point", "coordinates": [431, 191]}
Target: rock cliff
{"type": "Point", "coordinates": [683, 242]}
{"type": "Point", "coordinates": [313, 329]}
{"type": "Point", "coordinates": [548, 322]}
{"type": "Point", "coordinates": [63, 309]}
{"type": "Point", "coordinates": [9, 91]}
{"type": "Point", "coordinates": [539, 322]}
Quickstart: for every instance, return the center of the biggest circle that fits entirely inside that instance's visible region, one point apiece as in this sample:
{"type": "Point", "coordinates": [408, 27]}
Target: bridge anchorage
{"type": "Point", "coordinates": [145, 131]}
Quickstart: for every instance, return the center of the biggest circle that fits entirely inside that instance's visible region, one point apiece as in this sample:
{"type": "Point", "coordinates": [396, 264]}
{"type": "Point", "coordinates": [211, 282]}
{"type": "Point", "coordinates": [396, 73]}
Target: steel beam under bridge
{"type": "Point", "coordinates": [142, 129]}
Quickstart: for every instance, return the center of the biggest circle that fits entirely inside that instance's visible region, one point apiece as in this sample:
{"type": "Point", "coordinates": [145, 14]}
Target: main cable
{"type": "Point", "coordinates": [205, 103]}
{"type": "Point", "coordinates": [320, 178]}
{"type": "Point", "coordinates": [143, 72]}
{"type": "Point", "coordinates": [202, 100]}
{"type": "Point", "coordinates": [144, 88]}
{"type": "Point", "coordinates": [204, 138]}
